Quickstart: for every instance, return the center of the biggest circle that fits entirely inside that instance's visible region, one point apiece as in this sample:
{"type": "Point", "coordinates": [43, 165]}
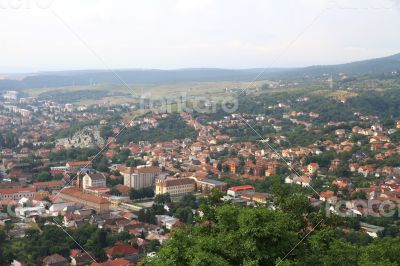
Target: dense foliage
{"type": "Point", "coordinates": [235, 235]}
{"type": "Point", "coordinates": [51, 239]}
{"type": "Point", "coordinates": [169, 128]}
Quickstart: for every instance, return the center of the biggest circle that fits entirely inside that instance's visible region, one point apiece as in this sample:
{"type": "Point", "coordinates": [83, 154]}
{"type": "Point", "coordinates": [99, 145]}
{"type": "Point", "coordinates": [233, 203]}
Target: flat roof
{"type": "Point", "coordinates": [213, 181]}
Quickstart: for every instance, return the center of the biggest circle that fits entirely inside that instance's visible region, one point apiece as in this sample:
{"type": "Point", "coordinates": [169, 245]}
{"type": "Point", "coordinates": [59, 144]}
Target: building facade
{"type": "Point", "coordinates": [175, 186]}
{"type": "Point", "coordinates": [93, 179]}
{"type": "Point", "coordinates": [17, 193]}
{"type": "Point", "coordinates": [74, 194]}
{"type": "Point", "coordinates": [138, 178]}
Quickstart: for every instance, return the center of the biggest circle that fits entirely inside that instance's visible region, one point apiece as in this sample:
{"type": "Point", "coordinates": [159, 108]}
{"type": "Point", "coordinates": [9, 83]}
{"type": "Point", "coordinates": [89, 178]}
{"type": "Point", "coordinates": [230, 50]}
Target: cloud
{"type": "Point", "coordinates": [195, 33]}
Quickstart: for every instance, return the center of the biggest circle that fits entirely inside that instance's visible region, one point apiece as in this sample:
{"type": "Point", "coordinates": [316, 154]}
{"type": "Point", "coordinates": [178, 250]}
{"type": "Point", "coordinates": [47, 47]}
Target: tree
{"type": "Point", "coordinates": [146, 192]}
{"type": "Point", "coordinates": [153, 246]}
{"type": "Point", "coordinates": [238, 236]}
{"type": "Point", "coordinates": [162, 198]}
{"type": "Point", "coordinates": [215, 196]}
{"type": "Point", "coordinates": [101, 165]}
{"type": "Point", "coordinates": [115, 192]}
{"type": "Point", "coordinates": [44, 176]}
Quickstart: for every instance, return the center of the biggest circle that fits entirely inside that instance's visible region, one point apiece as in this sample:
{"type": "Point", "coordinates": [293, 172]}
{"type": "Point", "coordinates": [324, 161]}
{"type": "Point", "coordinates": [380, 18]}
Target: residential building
{"type": "Point", "coordinates": [120, 249]}
{"type": "Point", "coordinates": [54, 260]}
{"type": "Point", "coordinates": [79, 257]}
{"type": "Point", "coordinates": [312, 168]}
{"type": "Point", "coordinates": [116, 262]}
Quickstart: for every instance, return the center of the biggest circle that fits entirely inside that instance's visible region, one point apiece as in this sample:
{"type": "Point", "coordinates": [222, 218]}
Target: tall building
{"type": "Point", "coordinates": [139, 177]}
{"type": "Point", "coordinates": [10, 95]}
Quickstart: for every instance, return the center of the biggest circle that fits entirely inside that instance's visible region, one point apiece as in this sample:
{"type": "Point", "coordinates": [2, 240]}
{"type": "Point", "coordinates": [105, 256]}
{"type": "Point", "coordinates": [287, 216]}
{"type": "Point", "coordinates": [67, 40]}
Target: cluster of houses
{"type": "Point", "coordinates": [81, 194]}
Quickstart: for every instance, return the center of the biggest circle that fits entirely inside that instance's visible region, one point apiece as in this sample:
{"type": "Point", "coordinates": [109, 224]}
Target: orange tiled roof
{"type": "Point", "coordinates": [78, 194]}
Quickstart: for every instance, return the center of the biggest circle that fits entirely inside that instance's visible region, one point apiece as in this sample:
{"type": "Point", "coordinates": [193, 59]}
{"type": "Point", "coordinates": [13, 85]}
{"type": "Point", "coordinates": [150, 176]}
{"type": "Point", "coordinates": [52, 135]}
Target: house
{"type": "Point", "coordinates": [124, 190]}
{"type": "Point", "coordinates": [196, 147]}
{"type": "Point", "coordinates": [120, 249]}
{"type": "Point", "coordinates": [328, 196]}
{"type": "Point", "coordinates": [366, 170]}
{"type": "Point", "coordinates": [167, 221]}
{"type": "Point", "coordinates": [116, 262]}
{"type": "Point", "coordinates": [232, 165]}
{"type": "Point", "coordinates": [312, 168]}
{"type": "Point", "coordinates": [237, 191]}
{"type": "Point", "coordinates": [289, 179]}
{"type": "Point", "coordinates": [341, 184]}
{"type": "Point", "coordinates": [303, 180]}
{"type": "Point", "coordinates": [334, 164]}
{"type": "Point", "coordinates": [340, 132]}
{"type": "Point", "coordinates": [54, 260]}
{"type": "Point", "coordinates": [79, 257]}
{"type": "Point", "coordinates": [270, 169]}
{"type": "Point", "coordinates": [377, 127]}
{"type": "Point", "coordinates": [353, 167]}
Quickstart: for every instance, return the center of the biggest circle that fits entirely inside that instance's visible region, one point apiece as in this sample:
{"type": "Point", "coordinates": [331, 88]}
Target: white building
{"type": "Point", "coordinates": [10, 95]}
{"type": "Point", "coordinates": [140, 177]}
{"type": "Point", "coordinates": [30, 211]}
{"type": "Point", "coordinates": [95, 179]}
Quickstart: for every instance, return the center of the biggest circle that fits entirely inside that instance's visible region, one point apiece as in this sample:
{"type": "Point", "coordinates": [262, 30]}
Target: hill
{"type": "Point", "coordinates": [375, 66]}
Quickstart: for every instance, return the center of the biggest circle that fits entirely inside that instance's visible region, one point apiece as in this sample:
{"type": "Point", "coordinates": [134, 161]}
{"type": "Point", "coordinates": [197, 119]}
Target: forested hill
{"type": "Point", "coordinates": [375, 66]}
{"type": "Point", "coordinates": [156, 76]}
{"type": "Point", "coordinates": [144, 76]}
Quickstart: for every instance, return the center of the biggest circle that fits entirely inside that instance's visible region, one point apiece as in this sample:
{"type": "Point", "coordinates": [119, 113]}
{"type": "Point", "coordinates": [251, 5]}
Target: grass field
{"type": "Point", "coordinates": [133, 93]}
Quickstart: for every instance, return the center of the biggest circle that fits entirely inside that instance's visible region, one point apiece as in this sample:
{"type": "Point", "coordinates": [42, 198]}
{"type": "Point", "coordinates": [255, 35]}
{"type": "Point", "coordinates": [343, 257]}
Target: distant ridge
{"type": "Point", "coordinates": [374, 66]}
{"type": "Point", "coordinates": [155, 76]}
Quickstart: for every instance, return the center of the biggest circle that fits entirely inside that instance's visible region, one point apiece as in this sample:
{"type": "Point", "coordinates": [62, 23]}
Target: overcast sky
{"type": "Point", "coordinates": [95, 34]}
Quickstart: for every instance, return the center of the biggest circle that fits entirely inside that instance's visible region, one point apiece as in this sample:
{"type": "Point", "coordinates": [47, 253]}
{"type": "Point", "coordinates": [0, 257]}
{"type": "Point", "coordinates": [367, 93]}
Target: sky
{"type": "Point", "coordinates": [47, 35]}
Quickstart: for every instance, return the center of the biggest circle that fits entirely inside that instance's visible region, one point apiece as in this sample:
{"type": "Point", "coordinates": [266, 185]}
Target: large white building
{"type": "Point", "coordinates": [140, 177]}
{"type": "Point", "coordinates": [10, 95]}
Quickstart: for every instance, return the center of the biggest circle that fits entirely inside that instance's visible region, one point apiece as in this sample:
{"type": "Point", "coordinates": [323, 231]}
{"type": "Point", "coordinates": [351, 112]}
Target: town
{"type": "Point", "coordinates": [122, 185]}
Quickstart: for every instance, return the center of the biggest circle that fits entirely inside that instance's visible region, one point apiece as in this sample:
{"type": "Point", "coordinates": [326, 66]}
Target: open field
{"type": "Point", "coordinates": [117, 94]}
